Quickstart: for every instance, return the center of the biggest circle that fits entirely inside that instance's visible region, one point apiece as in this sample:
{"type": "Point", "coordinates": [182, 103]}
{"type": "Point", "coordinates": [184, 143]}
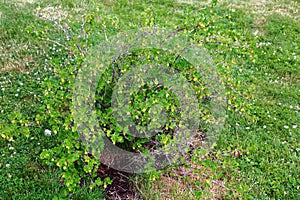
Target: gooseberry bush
{"type": "Point", "coordinates": [77, 165]}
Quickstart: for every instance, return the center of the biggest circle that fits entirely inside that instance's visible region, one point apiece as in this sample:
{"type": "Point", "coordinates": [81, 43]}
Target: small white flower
{"type": "Point", "coordinates": [47, 132]}
{"type": "Point", "coordinates": [284, 142]}
{"type": "Point", "coordinates": [21, 83]}
{"type": "Point", "coordinates": [294, 126]}
{"type": "Point", "coordinates": [264, 126]}
{"type": "Point", "coordinates": [247, 128]}
{"type": "Point", "coordinates": [11, 148]}
{"type": "Point", "coordinates": [286, 127]}
{"type": "Point", "coordinates": [16, 95]}
{"type": "Point", "coordinates": [7, 165]}
{"type": "Point", "coordinates": [9, 175]}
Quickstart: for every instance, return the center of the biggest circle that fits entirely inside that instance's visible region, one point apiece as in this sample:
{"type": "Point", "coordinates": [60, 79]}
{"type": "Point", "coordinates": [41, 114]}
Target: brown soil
{"type": "Point", "coordinates": [121, 187]}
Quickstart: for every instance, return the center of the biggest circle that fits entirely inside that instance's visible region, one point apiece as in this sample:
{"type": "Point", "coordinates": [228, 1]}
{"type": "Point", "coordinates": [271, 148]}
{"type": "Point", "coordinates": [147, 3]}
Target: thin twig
{"type": "Point", "coordinates": [57, 43]}
{"type": "Point", "coordinates": [70, 37]}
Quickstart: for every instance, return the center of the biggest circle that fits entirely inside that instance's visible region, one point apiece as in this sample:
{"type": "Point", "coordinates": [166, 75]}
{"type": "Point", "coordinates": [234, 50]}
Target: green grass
{"type": "Point", "coordinates": [23, 69]}
{"type": "Point", "coordinates": [266, 53]}
{"type": "Point", "coordinates": [272, 167]}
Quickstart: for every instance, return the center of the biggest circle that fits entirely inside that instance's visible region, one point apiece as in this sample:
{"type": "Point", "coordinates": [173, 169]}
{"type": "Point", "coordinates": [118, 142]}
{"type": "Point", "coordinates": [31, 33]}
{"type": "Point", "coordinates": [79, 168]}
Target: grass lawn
{"type": "Point", "coordinates": [255, 45]}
